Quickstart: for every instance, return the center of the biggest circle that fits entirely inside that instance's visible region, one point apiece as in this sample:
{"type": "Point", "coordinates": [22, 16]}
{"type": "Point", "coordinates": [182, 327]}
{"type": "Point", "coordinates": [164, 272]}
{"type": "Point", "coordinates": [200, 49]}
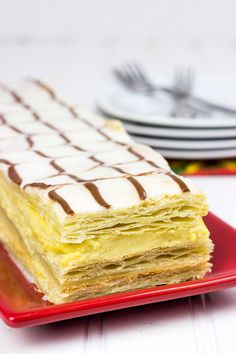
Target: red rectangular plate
{"type": "Point", "coordinates": [22, 306]}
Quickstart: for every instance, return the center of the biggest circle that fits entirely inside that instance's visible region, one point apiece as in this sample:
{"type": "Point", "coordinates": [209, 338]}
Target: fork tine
{"type": "Point", "coordinates": [124, 75]}
{"type": "Point", "coordinates": [121, 78]}
{"type": "Point", "coordinates": [140, 72]}
{"type": "Point", "coordinates": [118, 75]}
{"type": "Point", "coordinates": [177, 77]}
{"type": "Point", "coordinates": [129, 74]}
{"type": "Point", "coordinates": [142, 75]}
{"type": "Point", "coordinates": [184, 79]}
{"type": "Point", "coordinates": [133, 72]}
{"type": "Point", "coordinates": [188, 79]}
{"type": "Point", "coordinates": [124, 78]}
{"type": "Point", "coordinates": [191, 78]}
{"type": "Point", "coordinates": [133, 77]}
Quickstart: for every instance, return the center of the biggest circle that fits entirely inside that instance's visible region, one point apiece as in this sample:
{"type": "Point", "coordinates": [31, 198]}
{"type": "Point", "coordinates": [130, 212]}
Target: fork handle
{"type": "Point", "coordinates": [213, 106]}
{"type": "Point", "coordinates": [200, 101]}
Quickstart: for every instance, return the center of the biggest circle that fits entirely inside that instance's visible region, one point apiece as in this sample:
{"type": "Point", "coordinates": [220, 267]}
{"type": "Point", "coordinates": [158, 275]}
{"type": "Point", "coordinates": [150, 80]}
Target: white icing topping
{"type": "Point", "coordinates": [57, 147]}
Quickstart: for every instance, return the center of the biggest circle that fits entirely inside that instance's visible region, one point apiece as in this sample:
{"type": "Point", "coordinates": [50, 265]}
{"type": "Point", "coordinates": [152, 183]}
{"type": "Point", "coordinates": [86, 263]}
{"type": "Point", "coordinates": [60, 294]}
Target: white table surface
{"type": "Point", "coordinates": [73, 43]}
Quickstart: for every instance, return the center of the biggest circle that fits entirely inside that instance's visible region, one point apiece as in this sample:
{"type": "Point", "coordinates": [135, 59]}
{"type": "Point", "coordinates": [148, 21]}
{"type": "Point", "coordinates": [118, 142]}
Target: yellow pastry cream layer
{"type": "Point", "coordinates": [86, 210]}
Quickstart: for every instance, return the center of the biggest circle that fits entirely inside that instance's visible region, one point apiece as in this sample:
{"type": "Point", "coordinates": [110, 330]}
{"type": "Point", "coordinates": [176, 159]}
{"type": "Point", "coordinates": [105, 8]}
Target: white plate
{"type": "Point", "coordinates": [138, 108]}
{"type": "Point", "coordinates": [187, 144]}
{"type": "Point", "coordinates": [180, 132]}
{"type": "Point", "coordinates": [197, 155]}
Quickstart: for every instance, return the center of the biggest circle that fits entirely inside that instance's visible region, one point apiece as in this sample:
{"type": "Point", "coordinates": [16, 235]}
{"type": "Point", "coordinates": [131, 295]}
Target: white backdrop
{"type": "Point", "coordinates": [73, 43]}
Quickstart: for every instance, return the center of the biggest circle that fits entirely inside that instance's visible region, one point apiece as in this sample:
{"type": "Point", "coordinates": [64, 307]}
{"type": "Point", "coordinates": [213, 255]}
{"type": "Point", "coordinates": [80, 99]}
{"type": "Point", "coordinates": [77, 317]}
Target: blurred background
{"type": "Point", "coordinates": [74, 43]}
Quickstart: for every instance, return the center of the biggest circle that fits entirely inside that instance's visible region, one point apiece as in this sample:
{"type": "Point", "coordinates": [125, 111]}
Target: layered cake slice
{"type": "Point", "coordinates": [85, 209]}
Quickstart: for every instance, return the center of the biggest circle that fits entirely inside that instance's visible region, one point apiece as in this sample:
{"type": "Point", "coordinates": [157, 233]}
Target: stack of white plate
{"type": "Point", "coordinates": [149, 122]}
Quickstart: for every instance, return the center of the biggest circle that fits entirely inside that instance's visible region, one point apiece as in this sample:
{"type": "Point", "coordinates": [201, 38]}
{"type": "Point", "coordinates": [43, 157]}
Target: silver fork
{"type": "Point", "coordinates": [182, 90]}
{"type": "Point", "coordinates": [134, 78]}
{"type": "Point", "coordinates": [183, 82]}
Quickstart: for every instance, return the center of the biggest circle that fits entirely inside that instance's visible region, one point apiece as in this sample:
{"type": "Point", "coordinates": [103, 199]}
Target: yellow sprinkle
{"type": "Point", "coordinates": [193, 167]}
{"type": "Point", "coordinates": [230, 165]}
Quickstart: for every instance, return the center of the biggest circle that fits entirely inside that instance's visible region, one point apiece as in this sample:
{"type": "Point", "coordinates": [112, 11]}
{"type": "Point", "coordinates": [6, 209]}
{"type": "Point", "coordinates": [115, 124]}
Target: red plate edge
{"type": "Point", "coordinates": [215, 281]}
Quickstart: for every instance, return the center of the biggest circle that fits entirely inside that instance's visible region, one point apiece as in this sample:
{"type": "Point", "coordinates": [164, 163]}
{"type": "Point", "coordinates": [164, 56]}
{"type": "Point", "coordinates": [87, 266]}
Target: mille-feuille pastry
{"type": "Point", "coordinates": [85, 209]}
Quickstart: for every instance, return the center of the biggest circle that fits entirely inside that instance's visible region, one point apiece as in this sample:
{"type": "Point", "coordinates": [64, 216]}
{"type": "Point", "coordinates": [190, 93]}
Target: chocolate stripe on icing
{"type": "Point", "coordinates": [141, 191]}
{"type": "Point", "coordinates": [29, 141]}
{"type": "Point", "coordinates": [64, 137]}
{"type": "Point", "coordinates": [97, 195]}
{"type": "Point", "coordinates": [152, 163]}
{"type": "Point", "coordinates": [6, 162]}
{"type": "Point", "coordinates": [45, 87]}
{"type": "Point", "coordinates": [13, 175]}
{"type": "Point", "coordinates": [139, 188]}
{"type": "Point", "coordinates": [93, 158]}
{"type": "Point", "coordinates": [56, 197]}
{"type": "Point", "coordinates": [135, 153]}
{"type": "Point", "coordinates": [15, 129]}
{"type": "Point", "coordinates": [78, 147]}
{"type": "Point", "coordinates": [57, 167]}
{"type": "Point", "coordinates": [38, 185]}
{"type": "Point", "coordinates": [76, 178]}
{"type": "Point", "coordinates": [40, 153]}
{"type": "Point", "coordinates": [35, 115]}
{"type": "Point", "coordinates": [12, 127]}
{"type": "Point", "coordinates": [2, 119]}
{"type": "Point", "coordinates": [183, 186]}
